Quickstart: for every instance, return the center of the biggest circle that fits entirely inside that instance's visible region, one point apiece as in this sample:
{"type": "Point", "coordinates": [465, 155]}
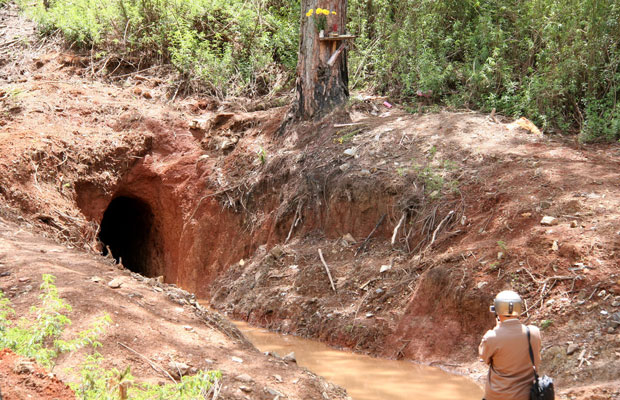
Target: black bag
{"type": "Point", "coordinates": [542, 389]}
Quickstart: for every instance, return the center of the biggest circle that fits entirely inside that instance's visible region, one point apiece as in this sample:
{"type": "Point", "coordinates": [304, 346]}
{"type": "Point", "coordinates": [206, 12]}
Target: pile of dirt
{"type": "Point", "coordinates": [22, 379]}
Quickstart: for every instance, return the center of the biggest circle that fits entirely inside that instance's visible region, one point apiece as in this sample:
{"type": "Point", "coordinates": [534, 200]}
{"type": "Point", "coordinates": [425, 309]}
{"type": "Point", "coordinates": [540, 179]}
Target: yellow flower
{"type": "Point", "coordinates": [319, 11]}
{"type": "Point", "coordinates": [310, 11]}
{"type": "Point", "coordinates": [325, 12]}
{"type": "Point", "coordinates": [334, 12]}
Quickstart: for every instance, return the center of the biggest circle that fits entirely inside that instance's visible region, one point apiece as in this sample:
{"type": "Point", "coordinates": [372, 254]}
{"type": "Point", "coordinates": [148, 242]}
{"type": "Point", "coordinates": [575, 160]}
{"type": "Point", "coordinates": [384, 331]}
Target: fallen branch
{"type": "Point", "coordinates": [443, 221]}
{"type": "Point", "coordinates": [345, 125]}
{"type": "Point", "coordinates": [296, 219]}
{"type": "Point", "coordinates": [361, 248]}
{"type": "Point", "coordinates": [329, 275]}
{"type": "Point", "coordinates": [402, 219]}
{"type": "Point", "coordinates": [156, 367]}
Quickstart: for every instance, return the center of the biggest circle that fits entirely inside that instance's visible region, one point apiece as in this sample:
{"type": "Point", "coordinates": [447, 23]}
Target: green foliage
{"type": "Point", "coordinates": [38, 335]}
{"type": "Point", "coordinates": [98, 383]}
{"type": "Point", "coordinates": [227, 47]}
{"type": "Point", "coordinates": [262, 156]}
{"type": "Point", "coordinates": [546, 323]}
{"type": "Point", "coordinates": [553, 61]}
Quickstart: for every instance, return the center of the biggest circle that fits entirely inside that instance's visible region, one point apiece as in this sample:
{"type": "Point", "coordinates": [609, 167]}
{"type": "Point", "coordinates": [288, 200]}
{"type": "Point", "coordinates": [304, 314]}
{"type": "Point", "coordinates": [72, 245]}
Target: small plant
{"type": "Point", "coordinates": [262, 155]}
{"type": "Point", "coordinates": [502, 245]}
{"type": "Point", "coordinates": [39, 336]}
{"type": "Point", "coordinates": [98, 383]}
{"type": "Point", "coordinates": [545, 324]}
{"type": "Point", "coordinates": [347, 135]}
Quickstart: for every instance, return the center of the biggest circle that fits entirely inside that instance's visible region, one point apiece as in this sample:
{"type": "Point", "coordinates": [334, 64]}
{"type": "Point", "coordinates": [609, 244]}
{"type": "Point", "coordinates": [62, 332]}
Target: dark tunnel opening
{"type": "Point", "coordinates": [127, 231]}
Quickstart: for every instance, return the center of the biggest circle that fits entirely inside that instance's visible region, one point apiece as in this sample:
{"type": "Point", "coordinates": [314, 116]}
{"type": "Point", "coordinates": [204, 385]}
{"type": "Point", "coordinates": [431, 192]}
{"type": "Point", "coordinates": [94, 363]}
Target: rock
{"type": "Point", "coordinates": [115, 283]}
{"type": "Point", "coordinates": [245, 389]}
{"type": "Point", "coordinates": [277, 251]}
{"type": "Point", "coordinates": [147, 95]}
{"type": "Point", "coordinates": [22, 280]}
{"type": "Point", "coordinates": [274, 392]}
{"type": "Point", "coordinates": [369, 315]}
{"type": "Point", "coordinates": [177, 369]}
{"type": "Point", "coordinates": [237, 359]}
{"type": "Point", "coordinates": [188, 328]}
{"type": "Point", "coordinates": [500, 255]}
{"type": "Point", "coordinates": [573, 224]}
{"type": "Point", "coordinates": [611, 330]}
{"type": "Point", "coordinates": [602, 293]}
{"type": "Point", "coordinates": [160, 279]}
{"type": "Point", "coordinates": [278, 378]}
{"type": "Point", "coordinates": [555, 246]}
{"type": "Point", "coordinates": [96, 279]}
{"type": "Point", "coordinates": [241, 262]}
{"type": "Point", "coordinates": [548, 221]}
{"type": "Point", "coordinates": [573, 347]}
{"type": "Point", "coordinates": [23, 367]}
{"type": "Point", "coordinates": [351, 152]}
{"type": "Point", "coordinates": [348, 239]}
{"type": "Point", "coordinates": [244, 378]}
{"type": "Point", "coordinates": [344, 167]}
{"type": "Point", "coordinates": [482, 284]}
{"type": "Point", "coordinates": [615, 303]}
{"type": "Point", "coordinates": [385, 268]}
{"type": "Point", "coordinates": [290, 357]}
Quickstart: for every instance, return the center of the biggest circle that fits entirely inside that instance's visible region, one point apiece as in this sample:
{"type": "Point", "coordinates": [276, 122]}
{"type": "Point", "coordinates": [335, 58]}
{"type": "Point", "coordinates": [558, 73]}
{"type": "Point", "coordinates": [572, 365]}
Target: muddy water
{"type": "Point", "coordinates": [367, 378]}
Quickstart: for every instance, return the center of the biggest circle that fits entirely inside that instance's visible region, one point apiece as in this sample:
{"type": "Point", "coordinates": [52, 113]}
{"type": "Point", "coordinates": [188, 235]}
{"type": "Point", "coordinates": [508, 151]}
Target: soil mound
{"type": "Point", "coordinates": [22, 379]}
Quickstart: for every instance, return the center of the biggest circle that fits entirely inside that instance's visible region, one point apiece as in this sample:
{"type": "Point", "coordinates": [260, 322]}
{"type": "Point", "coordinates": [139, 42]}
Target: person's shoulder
{"type": "Point", "coordinates": [491, 334]}
{"type": "Point", "coordinates": [534, 330]}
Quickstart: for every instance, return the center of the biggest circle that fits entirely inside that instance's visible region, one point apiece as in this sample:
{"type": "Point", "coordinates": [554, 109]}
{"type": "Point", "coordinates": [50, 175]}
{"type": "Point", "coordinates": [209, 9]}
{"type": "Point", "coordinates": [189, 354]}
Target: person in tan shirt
{"type": "Point", "coordinates": [505, 350]}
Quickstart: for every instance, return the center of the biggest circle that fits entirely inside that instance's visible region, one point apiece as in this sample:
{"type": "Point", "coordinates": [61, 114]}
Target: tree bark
{"type": "Point", "coordinates": [320, 87]}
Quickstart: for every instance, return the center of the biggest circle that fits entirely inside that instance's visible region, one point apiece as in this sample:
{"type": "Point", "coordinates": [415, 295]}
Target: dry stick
{"type": "Point", "coordinates": [443, 221]}
{"type": "Point", "coordinates": [329, 275]}
{"type": "Point", "coordinates": [296, 218]}
{"type": "Point", "coordinates": [361, 248]}
{"type": "Point", "coordinates": [151, 363]}
{"type": "Point", "coordinates": [402, 219]}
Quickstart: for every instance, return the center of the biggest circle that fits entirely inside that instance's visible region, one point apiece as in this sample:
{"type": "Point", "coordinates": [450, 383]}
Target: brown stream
{"type": "Point", "coordinates": [364, 377]}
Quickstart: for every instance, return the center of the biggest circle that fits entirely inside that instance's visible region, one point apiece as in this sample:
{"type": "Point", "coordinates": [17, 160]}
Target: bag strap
{"type": "Point", "coordinates": [529, 343]}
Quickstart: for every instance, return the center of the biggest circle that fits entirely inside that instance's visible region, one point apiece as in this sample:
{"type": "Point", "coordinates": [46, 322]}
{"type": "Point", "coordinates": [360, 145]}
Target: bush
{"type": "Point", "coordinates": [226, 47]}
{"type": "Point", "coordinates": [38, 335]}
{"type": "Point", "coordinates": [554, 61]}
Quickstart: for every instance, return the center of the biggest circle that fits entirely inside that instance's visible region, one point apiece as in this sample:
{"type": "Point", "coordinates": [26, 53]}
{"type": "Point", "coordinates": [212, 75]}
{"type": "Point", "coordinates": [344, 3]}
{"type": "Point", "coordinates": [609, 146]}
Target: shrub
{"type": "Point", "coordinates": [554, 61]}
{"type": "Point", "coordinates": [38, 335]}
{"type": "Point", "coordinates": [224, 47]}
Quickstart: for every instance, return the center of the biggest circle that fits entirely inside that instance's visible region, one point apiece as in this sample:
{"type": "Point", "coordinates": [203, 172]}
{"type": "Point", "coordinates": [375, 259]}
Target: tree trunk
{"type": "Point", "coordinates": [321, 87]}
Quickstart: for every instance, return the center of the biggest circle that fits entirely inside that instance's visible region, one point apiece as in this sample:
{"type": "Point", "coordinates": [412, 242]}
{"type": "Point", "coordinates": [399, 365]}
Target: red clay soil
{"type": "Point", "coordinates": [20, 379]}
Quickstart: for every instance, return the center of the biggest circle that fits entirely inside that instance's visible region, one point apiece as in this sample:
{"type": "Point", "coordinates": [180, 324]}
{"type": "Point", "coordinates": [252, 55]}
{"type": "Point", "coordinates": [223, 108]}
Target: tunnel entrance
{"type": "Point", "coordinates": [128, 231]}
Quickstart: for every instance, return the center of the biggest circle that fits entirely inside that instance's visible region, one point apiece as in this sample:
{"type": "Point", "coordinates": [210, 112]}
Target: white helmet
{"type": "Point", "coordinates": [507, 303]}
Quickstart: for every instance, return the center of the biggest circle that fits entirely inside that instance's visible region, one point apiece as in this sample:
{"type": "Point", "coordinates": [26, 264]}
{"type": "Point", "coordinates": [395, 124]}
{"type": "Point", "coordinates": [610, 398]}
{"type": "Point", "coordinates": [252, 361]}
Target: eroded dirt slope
{"type": "Point", "coordinates": [154, 327]}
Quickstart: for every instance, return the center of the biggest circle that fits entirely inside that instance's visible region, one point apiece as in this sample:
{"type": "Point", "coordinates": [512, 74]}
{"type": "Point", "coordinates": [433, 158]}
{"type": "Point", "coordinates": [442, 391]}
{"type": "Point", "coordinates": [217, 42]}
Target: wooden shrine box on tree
{"type": "Point", "coordinates": [322, 73]}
